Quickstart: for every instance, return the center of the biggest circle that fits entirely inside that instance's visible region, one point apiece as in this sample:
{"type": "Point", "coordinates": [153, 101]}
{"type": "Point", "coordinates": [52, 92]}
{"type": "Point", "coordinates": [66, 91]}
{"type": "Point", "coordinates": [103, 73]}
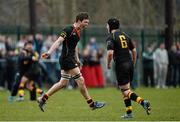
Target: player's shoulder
{"type": "Point", "coordinates": [126, 35]}
{"type": "Point", "coordinates": [109, 37]}
{"type": "Point", "coordinates": [68, 28]}
{"type": "Point", "coordinates": [66, 31]}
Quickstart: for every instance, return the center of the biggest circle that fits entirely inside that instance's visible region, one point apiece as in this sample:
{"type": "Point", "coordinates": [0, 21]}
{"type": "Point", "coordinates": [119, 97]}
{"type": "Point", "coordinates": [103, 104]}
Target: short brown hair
{"type": "Point", "coordinates": [81, 16]}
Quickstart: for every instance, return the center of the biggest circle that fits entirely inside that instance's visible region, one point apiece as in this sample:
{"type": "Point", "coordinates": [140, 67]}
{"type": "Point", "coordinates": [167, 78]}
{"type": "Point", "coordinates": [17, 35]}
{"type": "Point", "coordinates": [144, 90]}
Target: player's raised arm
{"type": "Point", "coordinates": [54, 46]}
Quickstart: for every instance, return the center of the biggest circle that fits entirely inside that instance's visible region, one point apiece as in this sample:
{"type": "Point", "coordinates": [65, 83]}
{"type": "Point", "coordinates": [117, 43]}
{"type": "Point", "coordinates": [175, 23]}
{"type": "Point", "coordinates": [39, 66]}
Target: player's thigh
{"type": "Point", "coordinates": [77, 76]}
{"type": "Point", "coordinates": [125, 89]}
{"type": "Point", "coordinates": [125, 86]}
{"type": "Point", "coordinates": [24, 78]}
{"type": "Point", "coordinates": [65, 76]}
{"type": "Point", "coordinates": [74, 71]}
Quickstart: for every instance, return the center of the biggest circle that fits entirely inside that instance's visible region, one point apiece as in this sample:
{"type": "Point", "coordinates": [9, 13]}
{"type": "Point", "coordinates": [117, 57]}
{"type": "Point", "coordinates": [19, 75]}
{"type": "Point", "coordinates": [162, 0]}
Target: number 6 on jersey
{"type": "Point", "coordinates": [123, 41]}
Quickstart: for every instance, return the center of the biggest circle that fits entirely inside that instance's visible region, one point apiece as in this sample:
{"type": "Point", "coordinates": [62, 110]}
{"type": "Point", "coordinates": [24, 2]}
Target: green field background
{"type": "Point", "coordinates": [69, 105]}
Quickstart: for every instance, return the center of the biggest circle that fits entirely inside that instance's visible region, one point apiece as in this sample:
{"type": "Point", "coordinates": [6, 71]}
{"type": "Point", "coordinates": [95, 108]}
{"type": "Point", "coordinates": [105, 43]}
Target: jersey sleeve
{"type": "Point", "coordinates": [65, 32]}
{"type": "Point", "coordinates": [110, 44]}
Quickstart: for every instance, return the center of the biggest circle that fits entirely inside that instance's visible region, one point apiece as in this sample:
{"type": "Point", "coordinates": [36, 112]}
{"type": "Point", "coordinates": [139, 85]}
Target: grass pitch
{"type": "Point", "coordinates": [69, 105]}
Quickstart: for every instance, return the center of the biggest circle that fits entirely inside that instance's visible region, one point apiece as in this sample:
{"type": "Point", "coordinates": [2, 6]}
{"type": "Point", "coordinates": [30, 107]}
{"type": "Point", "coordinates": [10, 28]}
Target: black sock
{"type": "Point", "coordinates": [127, 103]}
{"type": "Point", "coordinates": [90, 102]}
{"type": "Point", "coordinates": [33, 94]}
{"type": "Point", "coordinates": [135, 98]}
{"type": "Point", "coordinates": [45, 97]}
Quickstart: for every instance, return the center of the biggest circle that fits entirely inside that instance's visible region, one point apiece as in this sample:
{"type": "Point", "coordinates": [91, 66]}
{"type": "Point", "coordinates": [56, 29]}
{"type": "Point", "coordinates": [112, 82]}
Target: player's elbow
{"type": "Point", "coordinates": [134, 50]}
{"type": "Point", "coordinates": [60, 40]}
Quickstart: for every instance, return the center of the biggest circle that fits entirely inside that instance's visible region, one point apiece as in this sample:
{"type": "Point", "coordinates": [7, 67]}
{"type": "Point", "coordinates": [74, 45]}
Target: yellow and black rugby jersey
{"type": "Point", "coordinates": [121, 44]}
{"type": "Point", "coordinates": [71, 37]}
{"type": "Point", "coordinates": [25, 59]}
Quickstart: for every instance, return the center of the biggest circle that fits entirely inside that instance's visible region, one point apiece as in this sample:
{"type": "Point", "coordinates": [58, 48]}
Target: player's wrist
{"type": "Point", "coordinates": [79, 63]}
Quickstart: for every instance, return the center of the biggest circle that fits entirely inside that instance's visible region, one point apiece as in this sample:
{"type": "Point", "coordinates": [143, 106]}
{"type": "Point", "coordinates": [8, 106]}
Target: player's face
{"type": "Point", "coordinates": [84, 23]}
{"type": "Point", "coordinates": [29, 47]}
{"type": "Point", "coordinates": [107, 26]}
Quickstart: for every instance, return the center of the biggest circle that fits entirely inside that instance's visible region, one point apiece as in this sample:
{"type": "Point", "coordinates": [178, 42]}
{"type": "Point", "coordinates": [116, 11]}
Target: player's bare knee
{"type": "Point", "coordinates": [79, 79]}
{"type": "Point", "coordinates": [64, 79]}
{"type": "Point", "coordinates": [125, 92]}
{"type": "Point", "coordinates": [80, 82]}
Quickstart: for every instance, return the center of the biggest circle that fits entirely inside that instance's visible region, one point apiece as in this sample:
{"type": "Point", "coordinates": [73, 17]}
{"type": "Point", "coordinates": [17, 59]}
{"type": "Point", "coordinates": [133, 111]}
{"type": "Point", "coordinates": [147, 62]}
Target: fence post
{"type": "Point", "coordinates": [142, 40]}
{"type": "Point", "coordinates": [160, 35]}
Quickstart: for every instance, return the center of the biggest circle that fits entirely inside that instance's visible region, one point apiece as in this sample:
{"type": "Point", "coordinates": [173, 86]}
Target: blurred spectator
{"type": "Point", "coordinates": [55, 55]}
{"type": "Point", "coordinates": [160, 66]}
{"type": "Point", "coordinates": [10, 44]}
{"type": "Point", "coordinates": [134, 81]}
{"type": "Point", "coordinates": [50, 65]}
{"type": "Point", "coordinates": [30, 38]}
{"type": "Point", "coordinates": [86, 69]}
{"type": "Point", "coordinates": [21, 42]}
{"type": "Point", "coordinates": [11, 59]}
{"type": "Point", "coordinates": [2, 46]}
{"type": "Point", "coordinates": [178, 54]}
{"type": "Point", "coordinates": [2, 61]}
{"type": "Point", "coordinates": [47, 44]}
{"type": "Point", "coordinates": [172, 67]}
{"type": "Point", "coordinates": [148, 70]}
{"type": "Point", "coordinates": [38, 42]}
{"type": "Point", "coordinates": [95, 54]}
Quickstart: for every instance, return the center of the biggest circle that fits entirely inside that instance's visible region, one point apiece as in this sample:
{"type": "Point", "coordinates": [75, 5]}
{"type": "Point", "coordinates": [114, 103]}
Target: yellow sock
{"type": "Point", "coordinates": [21, 92]}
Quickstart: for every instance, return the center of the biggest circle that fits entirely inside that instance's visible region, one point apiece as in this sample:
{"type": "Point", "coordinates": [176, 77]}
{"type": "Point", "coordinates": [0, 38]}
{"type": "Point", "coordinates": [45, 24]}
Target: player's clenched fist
{"type": "Point", "coordinates": [45, 55]}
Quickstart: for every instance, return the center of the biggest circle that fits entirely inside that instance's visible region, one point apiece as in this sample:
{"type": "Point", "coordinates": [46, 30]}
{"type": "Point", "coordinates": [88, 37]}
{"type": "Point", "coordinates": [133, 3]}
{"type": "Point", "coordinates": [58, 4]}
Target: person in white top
{"type": "Point", "coordinates": [161, 62]}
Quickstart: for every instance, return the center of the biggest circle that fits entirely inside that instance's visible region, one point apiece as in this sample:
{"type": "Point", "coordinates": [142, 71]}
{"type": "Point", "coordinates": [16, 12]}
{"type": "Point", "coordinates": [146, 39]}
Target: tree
{"type": "Point", "coordinates": [32, 16]}
{"type": "Point", "coordinates": [169, 21]}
